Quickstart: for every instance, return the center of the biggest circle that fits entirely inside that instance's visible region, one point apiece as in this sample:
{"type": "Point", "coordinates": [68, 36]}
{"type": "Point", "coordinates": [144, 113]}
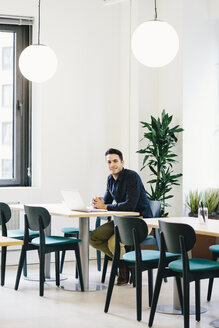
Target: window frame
{"type": "Point", "coordinates": [21, 161]}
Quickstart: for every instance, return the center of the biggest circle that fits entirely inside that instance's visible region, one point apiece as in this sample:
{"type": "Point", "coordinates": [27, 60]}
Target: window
{"type": "Point", "coordinates": [6, 133]}
{"type": "Point", "coordinates": [7, 95]}
{"type": "Point", "coordinates": [7, 58]}
{"type": "Point", "coordinates": [6, 169]}
{"type": "Point", "coordinates": [15, 105]}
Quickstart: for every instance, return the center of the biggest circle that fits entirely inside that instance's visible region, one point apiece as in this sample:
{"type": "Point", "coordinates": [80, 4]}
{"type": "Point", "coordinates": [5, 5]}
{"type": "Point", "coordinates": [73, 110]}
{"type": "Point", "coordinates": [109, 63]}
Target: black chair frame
{"type": "Point", "coordinates": [215, 256]}
{"type": "Point", "coordinates": [131, 232]}
{"type": "Point", "coordinates": [106, 258]}
{"type": "Point", "coordinates": [37, 219]}
{"type": "Point", "coordinates": [5, 216]}
{"type": "Point", "coordinates": [179, 238]}
{"type": "Point", "coordinates": [155, 208]}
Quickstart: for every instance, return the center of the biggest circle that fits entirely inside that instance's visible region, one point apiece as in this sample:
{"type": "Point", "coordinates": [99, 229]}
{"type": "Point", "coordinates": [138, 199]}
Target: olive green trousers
{"type": "Point", "coordinates": [103, 239]}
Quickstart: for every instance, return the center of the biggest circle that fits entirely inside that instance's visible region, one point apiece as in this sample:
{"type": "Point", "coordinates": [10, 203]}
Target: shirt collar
{"type": "Point", "coordinates": [119, 177]}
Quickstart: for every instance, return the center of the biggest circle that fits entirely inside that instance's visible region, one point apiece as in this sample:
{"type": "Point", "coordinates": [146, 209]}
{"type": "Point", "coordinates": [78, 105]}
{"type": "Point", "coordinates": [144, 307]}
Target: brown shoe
{"type": "Point", "coordinates": [123, 277]}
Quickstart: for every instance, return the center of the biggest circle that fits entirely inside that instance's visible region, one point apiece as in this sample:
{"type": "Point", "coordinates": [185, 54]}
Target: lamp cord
{"type": "Point", "coordinates": [155, 9]}
{"type": "Point", "coordinates": [39, 22]}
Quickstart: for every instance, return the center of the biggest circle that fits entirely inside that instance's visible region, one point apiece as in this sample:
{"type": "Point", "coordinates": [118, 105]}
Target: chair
{"type": "Point", "coordinates": [131, 231]}
{"type": "Point", "coordinates": [149, 240]}
{"type": "Point", "coordinates": [180, 238]}
{"type": "Point", "coordinates": [37, 219]}
{"type": "Point", "coordinates": [215, 255]}
{"type": "Point", "coordinates": [74, 232]}
{"type": "Point", "coordinates": [5, 216]}
{"type": "Point", "coordinates": [155, 206]}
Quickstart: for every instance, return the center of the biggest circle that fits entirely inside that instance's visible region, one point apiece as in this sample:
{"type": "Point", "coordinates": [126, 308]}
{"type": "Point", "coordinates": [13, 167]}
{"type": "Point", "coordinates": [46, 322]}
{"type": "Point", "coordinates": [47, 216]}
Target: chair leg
{"type": "Point", "coordinates": [133, 273]}
{"type": "Point", "coordinates": [42, 271]}
{"type": "Point", "coordinates": [105, 264]}
{"type": "Point", "coordinates": [155, 296]}
{"type": "Point", "coordinates": [150, 286]}
{"type": "Point", "coordinates": [62, 261]}
{"type": "Point", "coordinates": [211, 280]}
{"type": "Point", "coordinates": [113, 272]}
{"type": "Point", "coordinates": [20, 266]}
{"type": "Point", "coordinates": [3, 264]}
{"type": "Point", "coordinates": [186, 302]}
{"type": "Point", "coordinates": [57, 269]}
{"type": "Point", "coordinates": [76, 272]}
{"type": "Point", "coordinates": [98, 252]}
{"type": "Point", "coordinates": [98, 260]}
{"type": "Point", "coordinates": [197, 300]}
{"type": "Point", "coordinates": [138, 279]}
{"type": "Point", "coordinates": [25, 267]}
{"type": "Point", "coordinates": [180, 294]}
{"type": "Point", "coordinates": [210, 285]}
{"type": "Point", "coordinates": [79, 269]}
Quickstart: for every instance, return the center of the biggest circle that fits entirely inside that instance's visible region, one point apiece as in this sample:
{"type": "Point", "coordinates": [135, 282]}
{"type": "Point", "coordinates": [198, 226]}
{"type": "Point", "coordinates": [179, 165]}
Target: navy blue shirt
{"type": "Point", "coordinates": [128, 192]}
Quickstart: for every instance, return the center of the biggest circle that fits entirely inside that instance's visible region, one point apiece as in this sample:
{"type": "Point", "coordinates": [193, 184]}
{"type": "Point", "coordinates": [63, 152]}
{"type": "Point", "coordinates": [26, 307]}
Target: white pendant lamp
{"type": "Point", "coordinates": [37, 62]}
{"type": "Point", "coordinates": [155, 43]}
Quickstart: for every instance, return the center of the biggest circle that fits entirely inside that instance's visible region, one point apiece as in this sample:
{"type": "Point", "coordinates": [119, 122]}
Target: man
{"type": "Point", "coordinates": [125, 192]}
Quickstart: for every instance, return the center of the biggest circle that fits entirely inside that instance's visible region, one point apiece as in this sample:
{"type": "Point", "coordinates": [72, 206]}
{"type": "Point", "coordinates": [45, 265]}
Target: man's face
{"type": "Point", "coordinates": [115, 164]}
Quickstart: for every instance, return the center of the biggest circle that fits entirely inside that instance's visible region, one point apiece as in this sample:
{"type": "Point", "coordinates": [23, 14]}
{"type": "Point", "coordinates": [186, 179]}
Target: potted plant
{"type": "Point", "coordinates": [193, 200]}
{"type": "Point", "coordinates": [160, 158]}
{"type": "Point", "coordinates": [210, 199]}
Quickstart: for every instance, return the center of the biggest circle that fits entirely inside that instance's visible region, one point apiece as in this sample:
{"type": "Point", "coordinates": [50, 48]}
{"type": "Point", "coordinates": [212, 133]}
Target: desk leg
{"type": "Point", "coordinates": [84, 224]}
{"type": "Point", "coordinates": [84, 249]}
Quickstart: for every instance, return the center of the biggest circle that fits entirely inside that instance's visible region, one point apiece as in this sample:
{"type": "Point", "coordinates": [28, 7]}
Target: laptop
{"type": "Point", "coordinates": [74, 202]}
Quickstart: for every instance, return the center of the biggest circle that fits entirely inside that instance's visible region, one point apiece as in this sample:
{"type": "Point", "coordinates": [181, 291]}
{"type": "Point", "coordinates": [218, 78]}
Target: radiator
{"type": "Point", "coordinates": [14, 222]}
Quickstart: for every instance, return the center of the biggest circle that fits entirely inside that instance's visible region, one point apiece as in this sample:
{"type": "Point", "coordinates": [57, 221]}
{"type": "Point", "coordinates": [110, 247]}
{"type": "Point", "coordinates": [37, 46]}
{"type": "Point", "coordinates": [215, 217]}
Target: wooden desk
{"type": "Point", "coordinates": [211, 228]}
{"type": "Point", "coordinates": [6, 241]}
{"type": "Point", "coordinates": [84, 221]}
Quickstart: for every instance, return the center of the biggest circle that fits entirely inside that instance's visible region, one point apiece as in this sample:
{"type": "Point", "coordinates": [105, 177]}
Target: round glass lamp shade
{"type": "Point", "coordinates": [155, 43]}
{"type": "Point", "coordinates": [38, 63]}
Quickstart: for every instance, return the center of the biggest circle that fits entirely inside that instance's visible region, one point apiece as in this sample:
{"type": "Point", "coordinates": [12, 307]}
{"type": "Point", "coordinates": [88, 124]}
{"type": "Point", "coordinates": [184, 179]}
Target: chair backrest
{"type": "Point", "coordinates": [155, 206]}
{"type": "Point", "coordinates": [126, 225]}
{"type": "Point", "coordinates": [5, 213]}
{"type": "Point", "coordinates": [37, 216]}
{"type": "Point", "coordinates": [172, 233]}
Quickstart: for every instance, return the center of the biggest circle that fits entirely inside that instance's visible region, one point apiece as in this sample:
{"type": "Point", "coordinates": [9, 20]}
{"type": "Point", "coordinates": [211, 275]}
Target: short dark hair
{"type": "Point", "coordinates": [114, 151]}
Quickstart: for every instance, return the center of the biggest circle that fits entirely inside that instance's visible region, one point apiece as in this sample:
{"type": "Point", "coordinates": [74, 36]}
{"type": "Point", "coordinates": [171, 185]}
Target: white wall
{"type": "Point", "coordinates": [188, 89]}
{"type": "Point", "coordinates": [200, 94]}
{"type": "Point", "coordinates": [83, 109]}
{"type": "Point", "coordinates": [76, 114]}
{"type": "Point", "coordinates": [162, 88]}
{"type": "Point", "coordinates": [100, 94]}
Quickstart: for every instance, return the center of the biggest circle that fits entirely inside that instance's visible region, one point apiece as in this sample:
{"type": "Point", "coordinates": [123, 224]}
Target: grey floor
{"type": "Point", "coordinates": [61, 308]}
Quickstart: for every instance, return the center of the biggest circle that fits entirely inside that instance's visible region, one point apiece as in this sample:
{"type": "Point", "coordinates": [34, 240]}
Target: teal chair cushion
{"type": "Point", "coordinates": [147, 255]}
{"type": "Point", "coordinates": [149, 237]}
{"type": "Point", "coordinates": [55, 240]}
{"type": "Point", "coordinates": [195, 265]}
{"type": "Point", "coordinates": [149, 240]}
{"type": "Point", "coordinates": [214, 248]}
{"type": "Point", "coordinates": [19, 233]}
{"type": "Point", "coordinates": [72, 230]}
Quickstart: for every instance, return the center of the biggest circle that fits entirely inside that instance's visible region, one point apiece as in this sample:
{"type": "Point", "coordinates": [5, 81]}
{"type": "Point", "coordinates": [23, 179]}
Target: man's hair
{"type": "Point", "coordinates": [114, 151]}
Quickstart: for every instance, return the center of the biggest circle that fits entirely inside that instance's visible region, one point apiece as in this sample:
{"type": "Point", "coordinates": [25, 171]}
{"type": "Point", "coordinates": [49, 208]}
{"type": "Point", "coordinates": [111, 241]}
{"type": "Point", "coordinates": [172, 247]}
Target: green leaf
{"type": "Point", "coordinates": [159, 155]}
